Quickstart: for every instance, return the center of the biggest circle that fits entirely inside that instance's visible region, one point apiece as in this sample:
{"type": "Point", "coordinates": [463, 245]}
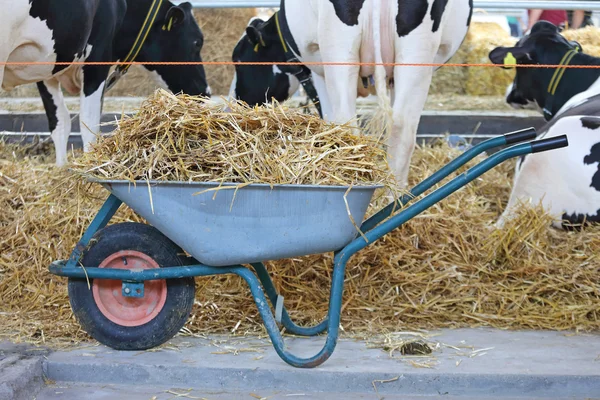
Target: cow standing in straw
{"type": "Point", "coordinates": [565, 181]}
{"type": "Point", "coordinates": [353, 31]}
{"type": "Point", "coordinates": [66, 31]}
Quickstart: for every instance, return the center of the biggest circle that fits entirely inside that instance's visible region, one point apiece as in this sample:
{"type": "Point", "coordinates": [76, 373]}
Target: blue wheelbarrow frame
{"type": "Point", "coordinates": [262, 286]}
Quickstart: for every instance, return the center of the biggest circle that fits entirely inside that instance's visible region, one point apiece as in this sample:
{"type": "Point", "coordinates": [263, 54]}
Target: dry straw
{"type": "Point", "coordinates": [446, 268]}
{"type": "Point", "coordinates": [184, 138]}
{"type": "Point", "coordinates": [483, 38]}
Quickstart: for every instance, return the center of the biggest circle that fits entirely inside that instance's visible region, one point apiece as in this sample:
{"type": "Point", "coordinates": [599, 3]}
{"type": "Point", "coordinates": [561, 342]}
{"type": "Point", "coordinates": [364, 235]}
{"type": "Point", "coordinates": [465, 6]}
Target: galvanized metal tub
{"type": "Point", "coordinates": [261, 223]}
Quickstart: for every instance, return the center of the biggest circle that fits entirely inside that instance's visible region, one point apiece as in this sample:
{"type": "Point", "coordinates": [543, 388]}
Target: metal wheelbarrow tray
{"type": "Point", "coordinates": [221, 226]}
{"type": "Point", "coordinates": [131, 286]}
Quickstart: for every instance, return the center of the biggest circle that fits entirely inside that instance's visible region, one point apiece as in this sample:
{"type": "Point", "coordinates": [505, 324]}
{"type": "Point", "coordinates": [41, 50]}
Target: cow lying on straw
{"type": "Point", "coordinates": [565, 181]}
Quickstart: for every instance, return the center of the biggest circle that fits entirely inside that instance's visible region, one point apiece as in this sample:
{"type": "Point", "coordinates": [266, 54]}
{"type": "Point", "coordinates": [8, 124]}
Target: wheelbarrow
{"type": "Point", "coordinates": [131, 286]}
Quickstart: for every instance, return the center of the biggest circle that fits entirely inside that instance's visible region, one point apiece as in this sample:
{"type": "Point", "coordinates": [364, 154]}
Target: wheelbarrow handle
{"type": "Point", "coordinates": [502, 140]}
{"type": "Point", "coordinates": [523, 135]}
{"type": "Point", "coordinates": [455, 184]}
{"type": "Point", "coordinates": [549, 144]}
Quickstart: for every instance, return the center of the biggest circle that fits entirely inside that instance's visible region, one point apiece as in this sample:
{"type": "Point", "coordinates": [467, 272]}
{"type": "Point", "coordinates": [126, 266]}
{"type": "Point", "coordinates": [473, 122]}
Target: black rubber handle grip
{"type": "Point", "coordinates": [520, 136]}
{"type": "Point", "coordinates": [549, 144]}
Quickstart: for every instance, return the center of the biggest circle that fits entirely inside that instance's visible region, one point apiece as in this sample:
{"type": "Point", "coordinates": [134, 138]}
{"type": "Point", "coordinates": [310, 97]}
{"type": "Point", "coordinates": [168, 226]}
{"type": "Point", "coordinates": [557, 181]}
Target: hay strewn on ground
{"type": "Point", "coordinates": [185, 138]}
{"type": "Point", "coordinates": [445, 268]}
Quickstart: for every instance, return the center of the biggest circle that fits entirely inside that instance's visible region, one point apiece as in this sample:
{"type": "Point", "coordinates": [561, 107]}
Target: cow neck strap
{"type": "Point", "coordinates": [553, 85]}
{"type": "Point", "coordinates": [302, 73]}
{"type": "Point", "coordinates": [138, 44]}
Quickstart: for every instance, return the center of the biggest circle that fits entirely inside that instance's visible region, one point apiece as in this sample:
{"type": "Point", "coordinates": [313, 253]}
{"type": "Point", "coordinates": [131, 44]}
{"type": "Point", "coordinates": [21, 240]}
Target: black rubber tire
{"type": "Point", "coordinates": [180, 292]}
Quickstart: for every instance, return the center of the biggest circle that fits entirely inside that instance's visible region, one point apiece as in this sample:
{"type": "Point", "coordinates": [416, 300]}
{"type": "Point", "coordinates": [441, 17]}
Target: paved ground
{"type": "Point", "coordinates": [66, 391]}
{"type": "Point", "coordinates": [469, 364]}
{"type": "Point", "coordinates": [20, 371]}
{"type": "Point", "coordinates": [481, 363]}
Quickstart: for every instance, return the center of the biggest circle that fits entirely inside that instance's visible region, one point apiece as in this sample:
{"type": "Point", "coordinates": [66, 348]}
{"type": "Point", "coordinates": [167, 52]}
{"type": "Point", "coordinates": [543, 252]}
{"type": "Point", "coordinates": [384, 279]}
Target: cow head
{"type": "Point", "coordinates": [257, 84]}
{"type": "Point", "coordinates": [543, 45]}
{"type": "Point", "coordinates": [176, 37]}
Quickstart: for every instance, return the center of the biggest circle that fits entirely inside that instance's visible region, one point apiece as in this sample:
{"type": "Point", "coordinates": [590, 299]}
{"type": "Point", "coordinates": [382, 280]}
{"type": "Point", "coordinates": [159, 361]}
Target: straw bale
{"type": "Point", "coordinates": [588, 37]}
{"type": "Point", "coordinates": [185, 138]}
{"type": "Point", "coordinates": [452, 80]}
{"type": "Point", "coordinates": [483, 38]}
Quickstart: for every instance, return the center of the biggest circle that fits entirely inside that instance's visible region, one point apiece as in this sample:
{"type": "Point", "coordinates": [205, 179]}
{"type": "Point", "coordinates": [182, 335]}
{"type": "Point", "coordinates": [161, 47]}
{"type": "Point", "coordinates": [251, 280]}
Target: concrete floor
{"type": "Point", "coordinates": [465, 363]}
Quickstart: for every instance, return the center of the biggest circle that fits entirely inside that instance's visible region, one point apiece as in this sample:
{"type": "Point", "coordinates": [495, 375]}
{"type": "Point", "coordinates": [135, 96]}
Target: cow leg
{"type": "Point", "coordinates": [410, 94]}
{"type": "Point", "coordinates": [339, 43]}
{"type": "Point", "coordinates": [92, 95]}
{"type": "Point", "coordinates": [411, 86]}
{"type": "Point", "coordinates": [341, 86]}
{"type": "Point", "coordinates": [321, 88]}
{"type": "Point", "coordinates": [59, 119]}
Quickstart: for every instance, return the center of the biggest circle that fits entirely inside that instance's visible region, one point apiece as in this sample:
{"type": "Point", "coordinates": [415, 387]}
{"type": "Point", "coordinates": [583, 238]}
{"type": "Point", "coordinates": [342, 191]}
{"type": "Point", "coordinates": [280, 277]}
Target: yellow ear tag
{"type": "Point", "coordinates": [510, 60]}
{"type": "Point", "coordinates": [256, 48]}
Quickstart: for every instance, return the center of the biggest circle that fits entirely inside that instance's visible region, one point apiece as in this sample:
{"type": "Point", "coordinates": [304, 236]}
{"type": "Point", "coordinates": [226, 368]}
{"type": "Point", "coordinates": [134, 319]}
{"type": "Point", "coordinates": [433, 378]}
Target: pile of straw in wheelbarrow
{"type": "Point", "coordinates": [446, 268]}
{"type": "Point", "coordinates": [184, 138]}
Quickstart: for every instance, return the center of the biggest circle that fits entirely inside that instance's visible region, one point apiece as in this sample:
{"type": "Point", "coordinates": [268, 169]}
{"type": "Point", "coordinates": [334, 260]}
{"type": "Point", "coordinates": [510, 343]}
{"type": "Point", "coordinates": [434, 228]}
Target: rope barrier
{"type": "Point", "coordinates": [308, 63]}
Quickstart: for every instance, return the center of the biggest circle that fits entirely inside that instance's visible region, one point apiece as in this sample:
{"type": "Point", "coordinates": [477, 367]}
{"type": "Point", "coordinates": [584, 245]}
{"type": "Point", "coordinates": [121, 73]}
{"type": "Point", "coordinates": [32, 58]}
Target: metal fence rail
{"type": "Point", "coordinates": [484, 4]}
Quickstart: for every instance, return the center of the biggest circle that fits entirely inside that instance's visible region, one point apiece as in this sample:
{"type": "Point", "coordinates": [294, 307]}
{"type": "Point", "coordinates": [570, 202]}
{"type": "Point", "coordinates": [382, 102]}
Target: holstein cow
{"type": "Point", "coordinates": [66, 31]}
{"type": "Point", "coordinates": [565, 181]}
{"type": "Point", "coordinates": [353, 31]}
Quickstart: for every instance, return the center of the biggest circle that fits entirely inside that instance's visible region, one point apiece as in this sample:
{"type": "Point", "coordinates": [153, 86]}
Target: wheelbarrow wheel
{"type": "Point", "coordinates": [132, 323]}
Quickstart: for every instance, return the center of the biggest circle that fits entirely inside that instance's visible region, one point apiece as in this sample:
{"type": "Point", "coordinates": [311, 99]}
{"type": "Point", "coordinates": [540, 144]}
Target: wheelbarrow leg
{"type": "Point", "coordinates": [105, 214]}
{"type": "Point", "coordinates": [286, 321]}
{"type": "Point", "coordinates": [332, 321]}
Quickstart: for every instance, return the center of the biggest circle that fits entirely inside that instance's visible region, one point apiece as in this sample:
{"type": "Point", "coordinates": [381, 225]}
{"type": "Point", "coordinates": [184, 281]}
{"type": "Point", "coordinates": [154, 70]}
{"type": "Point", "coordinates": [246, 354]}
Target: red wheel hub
{"type": "Point", "coordinates": [129, 311]}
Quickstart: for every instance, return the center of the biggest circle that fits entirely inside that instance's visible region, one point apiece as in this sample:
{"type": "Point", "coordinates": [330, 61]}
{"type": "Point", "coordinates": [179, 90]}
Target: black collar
{"type": "Point", "coordinates": [554, 82]}
{"type": "Point", "coordinates": [137, 45]}
{"type": "Point", "coordinates": [290, 47]}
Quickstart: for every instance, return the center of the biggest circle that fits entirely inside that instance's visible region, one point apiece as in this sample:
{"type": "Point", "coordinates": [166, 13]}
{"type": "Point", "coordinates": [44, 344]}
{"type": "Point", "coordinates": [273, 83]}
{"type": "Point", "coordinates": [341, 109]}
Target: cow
{"type": "Point", "coordinates": [352, 32]}
{"type": "Point", "coordinates": [58, 35]}
{"type": "Point", "coordinates": [566, 181]}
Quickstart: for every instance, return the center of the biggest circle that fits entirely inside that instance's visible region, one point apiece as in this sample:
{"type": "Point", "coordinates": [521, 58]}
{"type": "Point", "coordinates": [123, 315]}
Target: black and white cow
{"type": "Point", "coordinates": [353, 31]}
{"type": "Point", "coordinates": [565, 181]}
{"type": "Point", "coordinates": [66, 31]}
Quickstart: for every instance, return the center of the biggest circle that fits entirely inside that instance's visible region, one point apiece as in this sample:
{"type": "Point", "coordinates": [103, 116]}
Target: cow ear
{"type": "Point", "coordinates": [255, 36]}
{"type": "Point", "coordinates": [508, 57]}
{"type": "Point", "coordinates": [576, 45]}
{"type": "Point", "coordinates": [175, 17]}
